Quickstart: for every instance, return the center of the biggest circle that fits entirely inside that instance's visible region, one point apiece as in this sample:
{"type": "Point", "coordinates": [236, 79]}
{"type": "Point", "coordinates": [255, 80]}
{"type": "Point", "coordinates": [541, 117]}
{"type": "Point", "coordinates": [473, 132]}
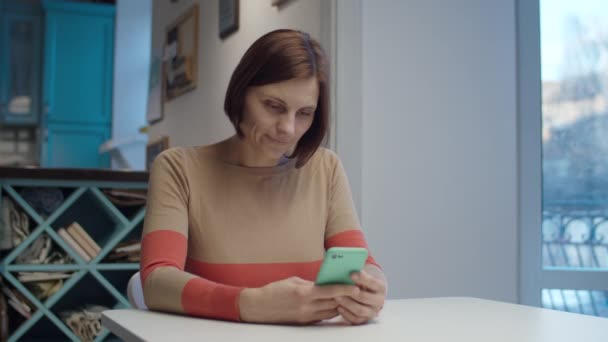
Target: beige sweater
{"type": "Point", "coordinates": [213, 228]}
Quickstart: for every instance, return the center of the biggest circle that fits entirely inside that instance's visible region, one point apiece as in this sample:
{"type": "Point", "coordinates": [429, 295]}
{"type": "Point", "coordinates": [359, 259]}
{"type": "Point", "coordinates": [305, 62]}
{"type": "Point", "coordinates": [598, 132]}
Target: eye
{"type": "Point", "coordinates": [305, 113]}
{"type": "Point", "coordinates": [277, 108]}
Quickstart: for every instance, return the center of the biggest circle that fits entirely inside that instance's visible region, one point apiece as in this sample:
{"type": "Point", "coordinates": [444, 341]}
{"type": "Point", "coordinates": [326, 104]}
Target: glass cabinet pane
{"type": "Point", "coordinates": [21, 67]}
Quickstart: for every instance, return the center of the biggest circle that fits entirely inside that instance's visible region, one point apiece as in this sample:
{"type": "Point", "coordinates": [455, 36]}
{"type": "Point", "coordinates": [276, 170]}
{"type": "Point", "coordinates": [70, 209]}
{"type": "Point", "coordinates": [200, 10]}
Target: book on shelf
{"type": "Point", "coordinates": [126, 197]}
{"type": "Point", "coordinates": [126, 251]}
{"type": "Point", "coordinates": [19, 308]}
{"type": "Point", "coordinates": [83, 233]}
{"type": "Point", "coordinates": [73, 244]}
{"type": "Point", "coordinates": [134, 247]}
{"type": "Point", "coordinates": [81, 241]}
{"type": "Point", "coordinates": [26, 277]}
{"type": "Point", "coordinates": [3, 319]}
{"type": "Point", "coordinates": [17, 302]}
{"type": "Point", "coordinates": [137, 194]}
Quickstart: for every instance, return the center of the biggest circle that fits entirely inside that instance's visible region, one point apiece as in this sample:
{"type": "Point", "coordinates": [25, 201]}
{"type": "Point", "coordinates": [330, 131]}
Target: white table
{"type": "Point", "coordinates": [412, 320]}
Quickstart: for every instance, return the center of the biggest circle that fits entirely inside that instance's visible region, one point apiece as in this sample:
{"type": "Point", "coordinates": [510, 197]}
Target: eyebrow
{"type": "Point", "coordinates": [284, 103]}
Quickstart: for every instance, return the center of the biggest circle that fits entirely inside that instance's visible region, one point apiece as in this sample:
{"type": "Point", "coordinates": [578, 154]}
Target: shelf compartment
{"type": "Point", "coordinates": [40, 254]}
{"type": "Point", "coordinates": [49, 193]}
{"type": "Point", "coordinates": [21, 204]}
{"type": "Point", "coordinates": [41, 310]}
{"type": "Point", "coordinates": [128, 208]}
{"type": "Point", "coordinates": [88, 291]}
{"type": "Point", "coordinates": [116, 281]}
{"type": "Point", "coordinates": [24, 217]}
{"type": "Point", "coordinates": [64, 285]}
{"type": "Point", "coordinates": [10, 257]}
{"type": "Point", "coordinates": [18, 319]}
{"type": "Point", "coordinates": [96, 215]}
{"type": "Point", "coordinates": [22, 325]}
{"type": "Point", "coordinates": [42, 330]}
{"type": "Point", "coordinates": [134, 236]}
{"type": "Point", "coordinates": [133, 227]}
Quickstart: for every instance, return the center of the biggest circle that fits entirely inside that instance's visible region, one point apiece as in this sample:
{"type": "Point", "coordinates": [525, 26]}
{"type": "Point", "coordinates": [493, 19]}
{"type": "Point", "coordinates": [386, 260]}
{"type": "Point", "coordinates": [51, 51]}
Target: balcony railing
{"type": "Point", "coordinates": [575, 236]}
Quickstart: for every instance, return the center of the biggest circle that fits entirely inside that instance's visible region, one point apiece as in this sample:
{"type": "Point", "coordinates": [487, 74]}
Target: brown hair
{"type": "Point", "coordinates": [279, 56]}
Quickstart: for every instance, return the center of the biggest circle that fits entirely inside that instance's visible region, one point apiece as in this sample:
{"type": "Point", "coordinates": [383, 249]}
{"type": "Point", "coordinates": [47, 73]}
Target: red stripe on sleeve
{"type": "Point", "coordinates": [350, 238]}
{"type": "Point", "coordinates": [202, 297]}
{"type": "Point", "coordinates": [162, 248]}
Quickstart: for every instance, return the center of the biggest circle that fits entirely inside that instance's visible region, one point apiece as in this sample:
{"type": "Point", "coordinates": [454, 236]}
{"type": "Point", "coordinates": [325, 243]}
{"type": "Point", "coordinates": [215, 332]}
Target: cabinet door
{"type": "Point", "coordinates": [19, 68]}
{"type": "Point", "coordinates": [73, 145]}
{"type": "Point", "coordinates": [78, 67]}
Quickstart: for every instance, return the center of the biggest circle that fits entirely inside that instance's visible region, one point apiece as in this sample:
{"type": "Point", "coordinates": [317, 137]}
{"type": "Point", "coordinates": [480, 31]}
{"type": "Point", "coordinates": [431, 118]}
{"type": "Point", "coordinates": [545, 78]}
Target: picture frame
{"type": "Point", "coordinates": [277, 3]}
{"type": "Point", "coordinates": [180, 55]}
{"type": "Point", "coordinates": [154, 107]}
{"type": "Point", "coordinates": [228, 17]}
{"type": "Point", "coordinates": [154, 148]}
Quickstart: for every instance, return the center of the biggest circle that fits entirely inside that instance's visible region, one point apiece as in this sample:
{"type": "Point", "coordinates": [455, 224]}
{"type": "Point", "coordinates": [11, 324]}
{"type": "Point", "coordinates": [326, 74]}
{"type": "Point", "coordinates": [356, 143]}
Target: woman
{"type": "Point", "coordinates": [237, 230]}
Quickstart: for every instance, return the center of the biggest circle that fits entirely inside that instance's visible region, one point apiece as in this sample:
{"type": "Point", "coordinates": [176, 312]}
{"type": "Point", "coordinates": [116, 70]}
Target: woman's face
{"type": "Point", "coordinates": [277, 115]}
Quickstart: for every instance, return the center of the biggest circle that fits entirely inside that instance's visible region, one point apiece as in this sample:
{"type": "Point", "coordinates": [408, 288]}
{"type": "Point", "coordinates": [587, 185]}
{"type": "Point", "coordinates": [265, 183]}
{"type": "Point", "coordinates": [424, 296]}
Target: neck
{"type": "Point", "coordinates": [241, 153]}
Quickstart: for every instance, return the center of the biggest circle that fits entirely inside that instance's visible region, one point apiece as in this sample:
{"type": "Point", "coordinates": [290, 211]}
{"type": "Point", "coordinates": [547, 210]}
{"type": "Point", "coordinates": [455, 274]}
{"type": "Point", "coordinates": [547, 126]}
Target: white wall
{"type": "Point", "coordinates": [197, 118]}
{"type": "Point", "coordinates": [439, 145]}
{"type": "Point", "coordinates": [131, 69]}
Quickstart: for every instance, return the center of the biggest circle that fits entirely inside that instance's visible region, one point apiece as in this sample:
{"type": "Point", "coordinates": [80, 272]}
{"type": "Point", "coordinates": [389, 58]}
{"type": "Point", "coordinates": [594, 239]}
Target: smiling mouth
{"type": "Point", "coordinates": [278, 141]}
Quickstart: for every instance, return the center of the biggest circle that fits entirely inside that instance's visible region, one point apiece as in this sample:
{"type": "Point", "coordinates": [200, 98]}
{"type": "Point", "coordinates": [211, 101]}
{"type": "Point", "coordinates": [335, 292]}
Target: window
{"type": "Point", "coordinates": [563, 95]}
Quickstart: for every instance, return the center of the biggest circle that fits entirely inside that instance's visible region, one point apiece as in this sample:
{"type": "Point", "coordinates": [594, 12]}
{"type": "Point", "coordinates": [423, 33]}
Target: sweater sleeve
{"type": "Point", "coordinates": [166, 286]}
{"type": "Point", "coordinates": [343, 228]}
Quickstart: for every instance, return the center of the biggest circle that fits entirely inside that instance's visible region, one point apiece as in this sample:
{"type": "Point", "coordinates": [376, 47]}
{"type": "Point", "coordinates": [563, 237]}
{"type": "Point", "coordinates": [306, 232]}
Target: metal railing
{"type": "Point", "coordinates": [575, 236]}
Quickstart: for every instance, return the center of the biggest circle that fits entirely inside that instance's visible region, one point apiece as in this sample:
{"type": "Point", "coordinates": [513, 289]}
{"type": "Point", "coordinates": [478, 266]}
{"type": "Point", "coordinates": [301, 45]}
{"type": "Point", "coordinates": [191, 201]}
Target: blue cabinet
{"type": "Point", "coordinates": [20, 53]}
{"type": "Point", "coordinates": [56, 72]}
{"type": "Point", "coordinates": [77, 83]}
{"type": "Point", "coordinates": [75, 145]}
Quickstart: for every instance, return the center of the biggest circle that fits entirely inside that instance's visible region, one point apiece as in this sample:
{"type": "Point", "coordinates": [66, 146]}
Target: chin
{"type": "Point", "coordinates": [275, 153]}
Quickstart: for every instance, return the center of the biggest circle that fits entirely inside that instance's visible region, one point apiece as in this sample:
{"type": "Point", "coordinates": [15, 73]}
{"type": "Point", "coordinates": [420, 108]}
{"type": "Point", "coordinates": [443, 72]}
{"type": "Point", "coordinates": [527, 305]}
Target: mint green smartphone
{"type": "Point", "coordinates": [339, 263]}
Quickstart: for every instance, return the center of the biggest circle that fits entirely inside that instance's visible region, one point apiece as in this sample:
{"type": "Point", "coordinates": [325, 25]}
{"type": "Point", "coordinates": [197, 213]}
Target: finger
{"type": "Point", "coordinates": [374, 300]}
{"type": "Point", "coordinates": [324, 304]}
{"type": "Point", "coordinates": [326, 314]}
{"type": "Point", "coordinates": [333, 291]}
{"type": "Point", "coordinates": [350, 317]}
{"type": "Point", "coordinates": [299, 280]}
{"type": "Point", "coordinates": [366, 280]}
{"type": "Point", "coordinates": [356, 308]}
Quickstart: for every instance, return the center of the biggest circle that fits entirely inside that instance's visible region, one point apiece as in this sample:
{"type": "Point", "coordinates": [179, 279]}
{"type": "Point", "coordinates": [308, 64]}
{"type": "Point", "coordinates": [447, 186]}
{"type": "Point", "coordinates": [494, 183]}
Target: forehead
{"type": "Point", "coordinates": [297, 92]}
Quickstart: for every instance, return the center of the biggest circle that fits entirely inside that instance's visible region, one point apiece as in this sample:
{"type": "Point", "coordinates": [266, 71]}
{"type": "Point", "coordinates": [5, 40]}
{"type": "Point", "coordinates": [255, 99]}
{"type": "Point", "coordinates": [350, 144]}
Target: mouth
{"type": "Point", "coordinates": [277, 141]}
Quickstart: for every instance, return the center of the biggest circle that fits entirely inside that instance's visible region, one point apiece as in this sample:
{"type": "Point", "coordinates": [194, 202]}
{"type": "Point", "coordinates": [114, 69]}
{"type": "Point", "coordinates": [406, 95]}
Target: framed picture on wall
{"type": "Point", "coordinates": [277, 3]}
{"type": "Point", "coordinates": [180, 55]}
{"type": "Point", "coordinates": [228, 17]}
{"type": "Point", "coordinates": [154, 148]}
{"type": "Point", "coordinates": [154, 108]}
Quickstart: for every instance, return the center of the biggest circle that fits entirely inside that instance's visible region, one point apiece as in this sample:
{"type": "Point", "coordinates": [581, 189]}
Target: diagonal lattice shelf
{"type": "Point", "coordinates": [102, 280]}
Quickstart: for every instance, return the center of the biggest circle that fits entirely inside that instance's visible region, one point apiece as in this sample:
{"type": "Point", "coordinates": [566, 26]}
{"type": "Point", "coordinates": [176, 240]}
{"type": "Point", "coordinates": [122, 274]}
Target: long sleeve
{"type": "Point", "coordinates": [343, 228]}
{"type": "Point", "coordinates": [167, 287]}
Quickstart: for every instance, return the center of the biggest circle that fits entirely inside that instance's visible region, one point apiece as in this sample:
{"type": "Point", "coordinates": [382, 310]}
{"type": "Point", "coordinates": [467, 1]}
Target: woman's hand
{"type": "Point", "coordinates": [365, 305]}
{"type": "Point", "coordinates": [293, 300]}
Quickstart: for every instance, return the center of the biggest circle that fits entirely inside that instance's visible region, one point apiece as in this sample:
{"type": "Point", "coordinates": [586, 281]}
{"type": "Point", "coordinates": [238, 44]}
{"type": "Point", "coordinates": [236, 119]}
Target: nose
{"type": "Point", "coordinates": [287, 125]}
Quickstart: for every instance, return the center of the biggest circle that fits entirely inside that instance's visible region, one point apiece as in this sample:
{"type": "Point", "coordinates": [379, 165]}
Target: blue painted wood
{"type": "Point", "coordinates": [78, 67]}
{"type": "Point", "coordinates": [42, 268]}
{"type": "Point", "coordinates": [20, 6]}
{"type": "Point", "coordinates": [73, 184]}
{"type": "Point", "coordinates": [77, 87]}
{"type": "Point", "coordinates": [20, 32]}
{"type": "Point", "coordinates": [80, 8]}
{"type": "Point", "coordinates": [75, 145]}
{"type": "Point", "coordinates": [85, 274]}
{"type": "Point", "coordinates": [118, 267]}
